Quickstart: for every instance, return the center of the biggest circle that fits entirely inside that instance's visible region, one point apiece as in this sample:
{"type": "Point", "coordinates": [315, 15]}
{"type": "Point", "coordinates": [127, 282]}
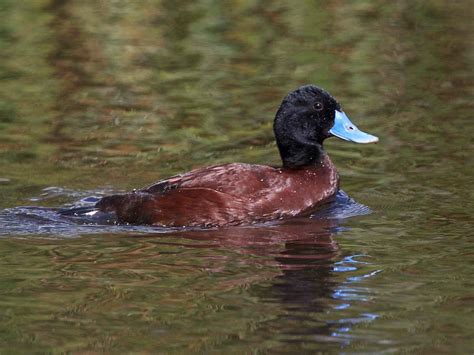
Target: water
{"type": "Point", "coordinates": [102, 97]}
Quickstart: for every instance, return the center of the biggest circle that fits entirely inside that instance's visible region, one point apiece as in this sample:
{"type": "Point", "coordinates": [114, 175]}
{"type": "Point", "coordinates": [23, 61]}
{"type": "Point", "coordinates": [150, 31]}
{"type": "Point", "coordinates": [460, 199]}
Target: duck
{"type": "Point", "coordinates": [243, 194]}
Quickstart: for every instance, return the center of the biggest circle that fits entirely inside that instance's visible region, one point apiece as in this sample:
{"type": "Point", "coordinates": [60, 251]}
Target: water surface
{"type": "Point", "coordinates": [102, 97]}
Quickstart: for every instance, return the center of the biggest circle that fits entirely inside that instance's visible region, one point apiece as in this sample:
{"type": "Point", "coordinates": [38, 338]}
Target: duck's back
{"type": "Point", "coordinates": [228, 194]}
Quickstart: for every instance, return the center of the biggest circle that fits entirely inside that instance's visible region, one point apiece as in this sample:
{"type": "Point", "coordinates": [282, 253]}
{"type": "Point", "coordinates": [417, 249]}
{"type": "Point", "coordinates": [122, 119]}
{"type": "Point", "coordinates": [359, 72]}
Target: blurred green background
{"type": "Point", "coordinates": [115, 94]}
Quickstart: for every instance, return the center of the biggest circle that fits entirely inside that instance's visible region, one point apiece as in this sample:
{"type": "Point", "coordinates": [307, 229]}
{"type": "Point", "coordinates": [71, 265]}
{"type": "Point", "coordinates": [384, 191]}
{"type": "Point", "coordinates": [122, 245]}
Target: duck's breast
{"type": "Point", "coordinates": [296, 191]}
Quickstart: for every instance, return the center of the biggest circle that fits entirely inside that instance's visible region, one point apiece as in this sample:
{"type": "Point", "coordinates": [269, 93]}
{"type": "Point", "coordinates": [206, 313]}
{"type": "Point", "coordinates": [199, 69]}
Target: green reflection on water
{"type": "Point", "coordinates": [90, 90]}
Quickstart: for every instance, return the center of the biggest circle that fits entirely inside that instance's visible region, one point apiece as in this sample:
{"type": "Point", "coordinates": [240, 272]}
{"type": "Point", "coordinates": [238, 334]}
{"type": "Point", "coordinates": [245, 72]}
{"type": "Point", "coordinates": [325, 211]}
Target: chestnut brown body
{"type": "Point", "coordinates": [229, 194]}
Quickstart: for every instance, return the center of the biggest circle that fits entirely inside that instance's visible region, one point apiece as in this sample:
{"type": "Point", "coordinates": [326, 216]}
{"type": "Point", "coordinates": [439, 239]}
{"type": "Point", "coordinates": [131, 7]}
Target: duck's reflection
{"type": "Point", "coordinates": [304, 253]}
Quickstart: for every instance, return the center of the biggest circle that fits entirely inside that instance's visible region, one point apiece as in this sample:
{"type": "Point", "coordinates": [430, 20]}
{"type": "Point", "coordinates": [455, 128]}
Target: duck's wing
{"type": "Point", "coordinates": [234, 179]}
{"type": "Point", "coordinates": [179, 207]}
{"type": "Point", "coordinates": [216, 195]}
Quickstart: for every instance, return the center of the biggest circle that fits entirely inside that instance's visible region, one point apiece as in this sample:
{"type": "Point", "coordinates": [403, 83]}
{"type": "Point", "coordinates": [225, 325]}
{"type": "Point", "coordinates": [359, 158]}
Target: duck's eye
{"type": "Point", "coordinates": [318, 106]}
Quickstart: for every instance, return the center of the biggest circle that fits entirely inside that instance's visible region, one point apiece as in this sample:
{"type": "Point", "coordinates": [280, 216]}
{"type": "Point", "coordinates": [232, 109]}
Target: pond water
{"type": "Point", "coordinates": [103, 96]}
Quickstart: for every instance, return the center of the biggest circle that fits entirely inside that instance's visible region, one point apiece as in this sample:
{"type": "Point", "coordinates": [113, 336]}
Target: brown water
{"type": "Point", "coordinates": [104, 96]}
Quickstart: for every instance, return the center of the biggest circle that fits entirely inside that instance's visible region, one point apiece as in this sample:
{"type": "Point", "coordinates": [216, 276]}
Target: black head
{"type": "Point", "coordinates": [302, 123]}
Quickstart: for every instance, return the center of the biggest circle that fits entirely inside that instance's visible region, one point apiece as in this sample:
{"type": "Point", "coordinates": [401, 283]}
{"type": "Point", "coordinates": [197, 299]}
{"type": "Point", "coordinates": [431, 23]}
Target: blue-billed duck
{"type": "Point", "coordinates": [239, 193]}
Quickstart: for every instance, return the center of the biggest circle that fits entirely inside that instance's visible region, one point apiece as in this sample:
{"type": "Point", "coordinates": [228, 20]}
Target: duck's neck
{"type": "Point", "coordinates": [298, 155]}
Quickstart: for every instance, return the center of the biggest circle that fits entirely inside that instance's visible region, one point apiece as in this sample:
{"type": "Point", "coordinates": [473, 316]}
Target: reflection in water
{"type": "Point", "coordinates": [306, 285]}
{"type": "Point", "coordinates": [308, 288]}
{"type": "Point", "coordinates": [313, 300]}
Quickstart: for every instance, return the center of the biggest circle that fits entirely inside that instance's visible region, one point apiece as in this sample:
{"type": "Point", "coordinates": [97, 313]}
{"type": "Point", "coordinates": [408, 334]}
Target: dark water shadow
{"type": "Point", "coordinates": [311, 282]}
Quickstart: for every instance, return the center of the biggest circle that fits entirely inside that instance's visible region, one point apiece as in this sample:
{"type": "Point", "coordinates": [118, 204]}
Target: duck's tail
{"type": "Point", "coordinates": [79, 211]}
{"type": "Point", "coordinates": [89, 215]}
